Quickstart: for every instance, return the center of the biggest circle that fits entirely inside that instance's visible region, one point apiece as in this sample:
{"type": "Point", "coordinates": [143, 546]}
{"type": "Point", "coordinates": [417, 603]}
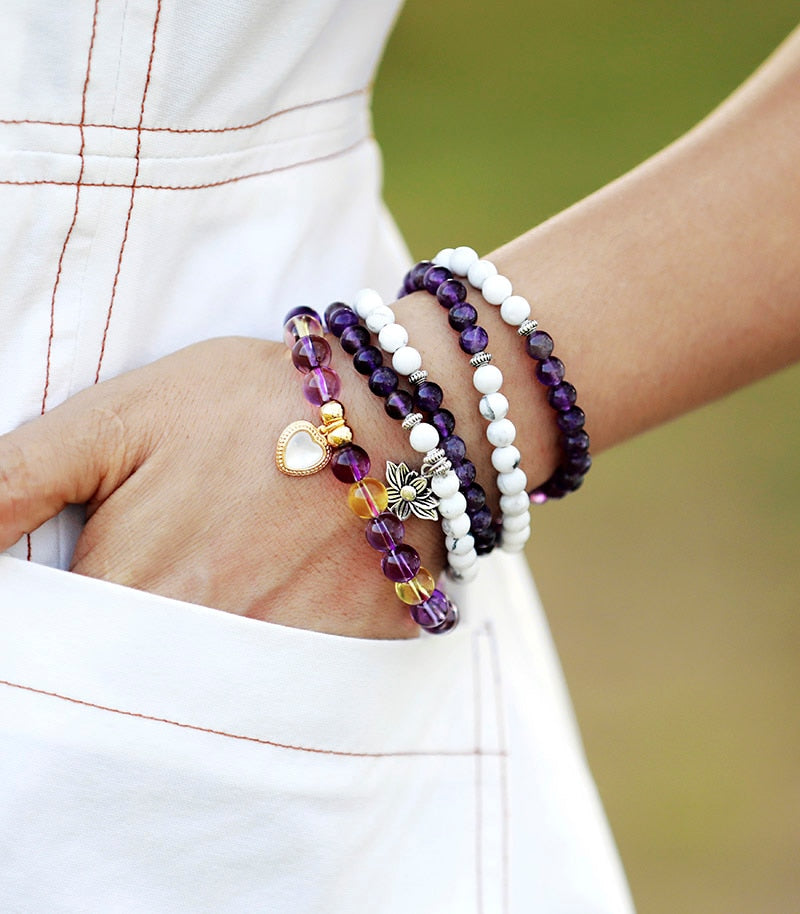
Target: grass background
{"type": "Point", "coordinates": [672, 579]}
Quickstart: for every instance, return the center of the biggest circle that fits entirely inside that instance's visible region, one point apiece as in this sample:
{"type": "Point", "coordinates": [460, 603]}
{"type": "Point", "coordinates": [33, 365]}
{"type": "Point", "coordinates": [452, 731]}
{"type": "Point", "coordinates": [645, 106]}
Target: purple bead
{"type": "Point", "coordinates": [434, 277]}
{"type": "Point", "coordinates": [416, 275]}
{"type": "Point", "coordinates": [562, 396]}
{"type": "Point", "coordinates": [575, 441]}
{"type": "Point", "coordinates": [399, 404]}
{"type": "Point", "coordinates": [338, 317]}
{"type": "Point", "coordinates": [350, 463]}
{"type": "Point", "coordinates": [449, 623]}
{"type": "Point", "coordinates": [321, 385]}
{"type": "Point", "coordinates": [401, 564]}
{"type": "Point", "coordinates": [300, 325]}
{"type": "Point", "coordinates": [367, 359]}
{"type": "Point", "coordinates": [550, 372]}
{"type": "Point", "coordinates": [428, 397]}
{"type": "Point", "coordinates": [485, 541]}
{"type": "Point", "coordinates": [579, 462]}
{"type": "Point", "coordinates": [408, 284]}
{"type": "Point", "coordinates": [474, 494]}
{"type": "Point", "coordinates": [383, 381]}
{"type": "Point", "coordinates": [354, 337]}
{"type": "Point", "coordinates": [567, 480]}
{"type": "Point", "coordinates": [444, 422]}
{"type": "Point", "coordinates": [571, 419]}
{"type": "Point", "coordinates": [465, 472]}
{"type": "Point", "coordinates": [311, 352]}
{"type": "Point", "coordinates": [539, 345]}
{"type": "Point", "coordinates": [473, 339]}
{"type": "Point", "coordinates": [462, 316]}
{"type": "Point", "coordinates": [385, 532]}
{"type": "Point", "coordinates": [431, 612]}
{"type": "Point", "coordinates": [451, 292]}
{"type": "Point", "coordinates": [302, 309]}
{"type": "Point", "coordinates": [454, 448]}
{"type": "Point", "coordinates": [480, 520]}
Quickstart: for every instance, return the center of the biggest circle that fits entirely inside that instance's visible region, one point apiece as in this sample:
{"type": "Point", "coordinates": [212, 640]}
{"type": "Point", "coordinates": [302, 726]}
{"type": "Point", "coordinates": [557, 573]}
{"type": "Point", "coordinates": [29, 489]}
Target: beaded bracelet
{"type": "Point", "coordinates": [438, 280]}
{"type": "Point", "coordinates": [332, 442]}
{"type": "Point", "coordinates": [461, 501]}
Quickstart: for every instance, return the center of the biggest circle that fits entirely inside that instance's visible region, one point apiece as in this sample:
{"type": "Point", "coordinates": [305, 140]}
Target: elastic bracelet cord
{"type": "Point", "coordinates": [487, 378]}
{"type": "Point", "coordinates": [461, 501]}
{"type": "Point", "coordinates": [303, 449]}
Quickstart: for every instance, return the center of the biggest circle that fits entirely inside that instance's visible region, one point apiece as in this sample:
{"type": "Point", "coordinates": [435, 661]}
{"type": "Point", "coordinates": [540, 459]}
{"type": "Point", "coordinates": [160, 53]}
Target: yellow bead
{"type": "Point", "coordinates": [417, 589]}
{"type": "Point", "coordinates": [368, 497]}
{"type": "Point", "coordinates": [339, 436]}
{"type": "Point", "coordinates": [331, 411]}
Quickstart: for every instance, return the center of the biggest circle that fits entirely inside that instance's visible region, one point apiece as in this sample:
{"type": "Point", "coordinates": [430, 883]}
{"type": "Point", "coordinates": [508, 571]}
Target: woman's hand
{"type": "Point", "coordinates": [175, 464]}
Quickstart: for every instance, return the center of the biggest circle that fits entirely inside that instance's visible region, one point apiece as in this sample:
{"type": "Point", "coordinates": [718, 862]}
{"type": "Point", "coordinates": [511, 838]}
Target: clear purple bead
{"type": "Point", "coordinates": [449, 623]}
{"type": "Point", "coordinates": [571, 419]}
{"type": "Point", "coordinates": [350, 463]}
{"type": "Point", "coordinates": [550, 371]}
{"type": "Point", "coordinates": [301, 309]}
{"type": "Point", "coordinates": [434, 277]}
{"type": "Point", "coordinates": [399, 404]}
{"type": "Point", "coordinates": [367, 359]}
{"type": "Point", "coordinates": [416, 275]}
{"type": "Point", "coordinates": [462, 316]}
{"type": "Point", "coordinates": [451, 292]}
{"type": "Point", "coordinates": [401, 564]}
{"type": "Point", "coordinates": [466, 473]}
{"type": "Point", "coordinates": [300, 325]}
{"type": "Point", "coordinates": [338, 317]}
{"type": "Point", "coordinates": [431, 612]}
{"type": "Point", "coordinates": [473, 339]}
{"type": "Point", "coordinates": [385, 532]}
{"type": "Point", "coordinates": [353, 338]}
{"type": "Point", "coordinates": [444, 422]}
{"type": "Point", "coordinates": [428, 397]}
{"type": "Point", "coordinates": [321, 385]}
{"type": "Point", "coordinates": [539, 345]}
{"type": "Point", "coordinates": [454, 448]}
{"type": "Point", "coordinates": [562, 396]}
{"type": "Point", "coordinates": [311, 352]}
{"type": "Point", "coordinates": [383, 381]}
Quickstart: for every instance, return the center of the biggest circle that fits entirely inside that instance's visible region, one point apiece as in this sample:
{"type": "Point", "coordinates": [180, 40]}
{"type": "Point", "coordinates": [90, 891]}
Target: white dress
{"type": "Point", "coordinates": [172, 171]}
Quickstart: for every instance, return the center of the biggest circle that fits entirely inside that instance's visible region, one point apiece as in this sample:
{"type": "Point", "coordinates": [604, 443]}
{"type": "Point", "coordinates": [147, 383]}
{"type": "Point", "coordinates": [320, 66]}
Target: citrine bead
{"type": "Point", "coordinates": [416, 590]}
{"type": "Point", "coordinates": [367, 497]}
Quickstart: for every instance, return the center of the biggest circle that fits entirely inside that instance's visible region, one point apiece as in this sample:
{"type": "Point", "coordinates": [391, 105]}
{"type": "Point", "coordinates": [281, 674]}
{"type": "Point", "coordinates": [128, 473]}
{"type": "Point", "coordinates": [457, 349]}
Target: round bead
{"type": "Point", "coordinates": [392, 337]}
{"type": "Point", "coordinates": [578, 462]}
{"type": "Point", "coordinates": [367, 497]}
{"type": "Point", "coordinates": [445, 486]}
{"type": "Point", "coordinates": [513, 482]}
{"type": "Point", "coordinates": [454, 449]}
{"type": "Point", "coordinates": [466, 472]}
{"type": "Point", "coordinates": [367, 359]}
{"type": "Point", "coordinates": [443, 421]}
{"type": "Point", "coordinates": [401, 564]}
{"type": "Point", "coordinates": [571, 419]}
{"type": "Point", "coordinates": [458, 562]}
{"type": "Point", "coordinates": [486, 541]}
{"type": "Point", "coordinates": [505, 459]}
{"type": "Point", "coordinates": [550, 371]}
{"type": "Point", "coordinates": [480, 271]}
{"type": "Point", "coordinates": [406, 359]}
{"type": "Point", "coordinates": [311, 352]}
{"type": "Point", "coordinates": [354, 338]}
{"type": "Point", "coordinates": [416, 275]}
{"type": "Point", "coordinates": [431, 613]}
{"type": "Point", "coordinates": [419, 588]}
{"type": "Point", "coordinates": [475, 496]}
{"type": "Point", "coordinates": [451, 293]}
{"type": "Point", "coordinates": [464, 576]}
{"type": "Point", "coordinates": [306, 323]}
{"type": "Point", "coordinates": [350, 463]}
{"type": "Point", "coordinates": [434, 277]}
{"type": "Point", "coordinates": [562, 396]}
{"type": "Point", "coordinates": [511, 505]}
{"type": "Point", "coordinates": [493, 406]}
{"type": "Point", "coordinates": [428, 396]}
{"type": "Point", "coordinates": [423, 437]}
{"type": "Point", "coordinates": [338, 317]}
{"type": "Point", "coordinates": [321, 385]}
{"type": "Point", "coordinates": [512, 537]}
{"type": "Point", "coordinates": [301, 309]}
{"type": "Point", "coordinates": [442, 259]}
{"type": "Point", "coordinates": [576, 441]}
{"type": "Point", "coordinates": [462, 316]}
{"type": "Point", "coordinates": [379, 318]}
{"type": "Point", "coordinates": [383, 381]}
{"type": "Point", "coordinates": [480, 520]}
{"type": "Point", "coordinates": [399, 404]}
{"type": "Point", "coordinates": [456, 526]}
{"type": "Point", "coordinates": [462, 259]}
{"type": "Point", "coordinates": [501, 432]}
{"type": "Point", "coordinates": [496, 289]}
{"type": "Point", "coordinates": [515, 523]}
{"type": "Point", "coordinates": [487, 379]}
{"type": "Point", "coordinates": [473, 339]}
{"type": "Point", "coordinates": [385, 532]}
{"type": "Point", "coordinates": [452, 506]}
{"type": "Point", "coordinates": [515, 309]}
{"type": "Point", "coordinates": [539, 345]}
{"type": "Point", "coordinates": [366, 301]}
{"type": "Point", "coordinates": [459, 546]}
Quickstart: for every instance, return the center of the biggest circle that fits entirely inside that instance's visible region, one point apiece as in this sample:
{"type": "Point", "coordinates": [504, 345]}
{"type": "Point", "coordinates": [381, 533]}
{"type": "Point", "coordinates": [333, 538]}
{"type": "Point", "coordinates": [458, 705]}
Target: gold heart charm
{"type": "Point", "coordinates": [301, 450]}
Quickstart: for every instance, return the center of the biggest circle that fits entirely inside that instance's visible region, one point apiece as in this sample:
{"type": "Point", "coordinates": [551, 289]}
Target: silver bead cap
{"type": "Point", "coordinates": [418, 376]}
{"type": "Point", "coordinates": [480, 358]}
{"type": "Point", "coordinates": [527, 327]}
{"type": "Point", "coordinates": [436, 463]}
{"type": "Point", "coordinates": [411, 420]}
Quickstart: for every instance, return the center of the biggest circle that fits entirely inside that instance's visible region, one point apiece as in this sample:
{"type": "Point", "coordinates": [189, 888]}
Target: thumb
{"type": "Point", "coordinates": [79, 452]}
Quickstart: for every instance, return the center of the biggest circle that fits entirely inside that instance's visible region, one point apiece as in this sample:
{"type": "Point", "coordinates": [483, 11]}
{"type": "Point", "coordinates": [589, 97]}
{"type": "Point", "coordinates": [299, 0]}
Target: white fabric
{"type": "Point", "coordinates": [171, 171]}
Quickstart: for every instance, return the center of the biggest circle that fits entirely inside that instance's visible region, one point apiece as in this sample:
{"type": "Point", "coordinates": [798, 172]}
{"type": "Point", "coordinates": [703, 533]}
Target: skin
{"type": "Point", "coordinates": [672, 286]}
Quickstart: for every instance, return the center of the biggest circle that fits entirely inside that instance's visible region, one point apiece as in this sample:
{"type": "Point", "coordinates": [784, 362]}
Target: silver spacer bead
{"type": "Point", "coordinates": [411, 420]}
{"type": "Point", "coordinates": [436, 463]}
{"type": "Point", "coordinates": [480, 358]}
{"type": "Point", "coordinates": [527, 327]}
{"type": "Point", "coordinates": [418, 376]}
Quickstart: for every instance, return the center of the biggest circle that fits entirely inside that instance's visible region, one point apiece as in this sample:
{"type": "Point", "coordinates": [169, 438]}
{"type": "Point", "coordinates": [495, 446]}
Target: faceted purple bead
{"type": "Point", "coordinates": [466, 473]}
{"type": "Point", "coordinates": [462, 316]}
{"type": "Point", "coordinates": [575, 441]}
{"type": "Point", "coordinates": [454, 448]}
{"type": "Point", "coordinates": [579, 462]}
{"type": "Point", "coordinates": [401, 564]}
{"type": "Point", "coordinates": [399, 404]}
{"type": "Point", "coordinates": [385, 532]}
{"type": "Point", "coordinates": [451, 292]}
{"type": "Point", "coordinates": [449, 623]}
{"type": "Point", "coordinates": [416, 275]}
{"type": "Point", "coordinates": [354, 337]}
{"type": "Point", "coordinates": [350, 463]}
{"type": "Point", "coordinates": [431, 612]}
{"type": "Point", "coordinates": [550, 371]}
{"type": "Point", "coordinates": [321, 385]}
{"type": "Point", "coordinates": [539, 345]}
{"type": "Point", "coordinates": [474, 494]}
{"type": "Point", "coordinates": [311, 352]}
{"type": "Point", "coordinates": [444, 422]}
{"type": "Point", "coordinates": [571, 419]}
{"type": "Point", "coordinates": [383, 381]}
{"type": "Point", "coordinates": [567, 480]}
{"type": "Point", "coordinates": [367, 359]}
{"type": "Point", "coordinates": [428, 397]}
{"type": "Point", "coordinates": [562, 396]}
{"type": "Point", "coordinates": [338, 317]}
{"type": "Point", "coordinates": [473, 339]}
{"type": "Point", "coordinates": [480, 520]}
{"type": "Point", "coordinates": [434, 277]}
{"type": "Point", "coordinates": [485, 541]}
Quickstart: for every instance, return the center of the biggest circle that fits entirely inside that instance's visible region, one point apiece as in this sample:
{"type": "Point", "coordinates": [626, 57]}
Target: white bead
{"type": "Point", "coordinates": [516, 523]}
{"type": "Point", "coordinates": [445, 485]}
{"type": "Point", "coordinates": [515, 309]}
{"type": "Point", "coordinates": [501, 432]}
{"type": "Point", "coordinates": [493, 406]}
{"type": "Point", "coordinates": [461, 562]}
{"type": "Point", "coordinates": [423, 436]}
{"type": "Point", "coordinates": [496, 289]}
{"type": "Point", "coordinates": [510, 505]}
{"type": "Point", "coordinates": [487, 379]}
{"type": "Point", "coordinates": [461, 545]}
{"type": "Point", "coordinates": [379, 318]}
{"type": "Point", "coordinates": [463, 575]}
{"type": "Point", "coordinates": [513, 482]}
{"type": "Point", "coordinates": [392, 337]}
{"type": "Point", "coordinates": [516, 536]}
{"type": "Point", "coordinates": [462, 259]}
{"type": "Point", "coordinates": [456, 526]}
{"type": "Point", "coordinates": [514, 547]}
{"type": "Point", "coordinates": [505, 459]}
{"type": "Point", "coordinates": [406, 359]}
{"type": "Point", "coordinates": [480, 271]}
{"type": "Point", "coordinates": [452, 506]}
{"type": "Point", "coordinates": [442, 259]}
{"type": "Point", "coordinates": [366, 300]}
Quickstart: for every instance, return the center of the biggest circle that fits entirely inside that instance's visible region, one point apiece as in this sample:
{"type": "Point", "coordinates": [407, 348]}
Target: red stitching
{"type": "Point", "coordinates": [133, 192]}
{"type": "Point", "coordinates": [192, 130]}
{"type": "Point", "coordinates": [419, 753]}
{"type": "Point", "coordinates": [497, 674]}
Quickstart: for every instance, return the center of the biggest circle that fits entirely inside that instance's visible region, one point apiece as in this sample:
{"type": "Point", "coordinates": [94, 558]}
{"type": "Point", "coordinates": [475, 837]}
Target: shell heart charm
{"type": "Point", "coordinates": [302, 450]}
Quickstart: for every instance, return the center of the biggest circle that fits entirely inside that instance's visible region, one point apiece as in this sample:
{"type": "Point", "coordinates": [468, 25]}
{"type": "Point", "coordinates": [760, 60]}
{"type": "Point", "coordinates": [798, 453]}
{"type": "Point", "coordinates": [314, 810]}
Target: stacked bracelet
{"type": "Point", "coordinates": [333, 440]}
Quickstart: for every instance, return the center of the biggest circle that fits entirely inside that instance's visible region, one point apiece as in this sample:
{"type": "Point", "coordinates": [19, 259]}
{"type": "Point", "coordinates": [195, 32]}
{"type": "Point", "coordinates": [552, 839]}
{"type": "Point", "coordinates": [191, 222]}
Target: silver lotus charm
{"type": "Point", "coordinates": [409, 493]}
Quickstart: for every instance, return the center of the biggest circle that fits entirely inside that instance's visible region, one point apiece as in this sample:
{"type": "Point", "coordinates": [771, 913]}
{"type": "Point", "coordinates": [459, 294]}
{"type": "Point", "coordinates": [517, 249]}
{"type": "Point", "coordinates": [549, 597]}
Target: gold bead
{"type": "Point", "coordinates": [418, 589]}
{"type": "Point", "coordinates": [331, 411]}
{"type": "Point", "coordinates": [367, 497]}
{"type": "Point", "coordinates": [339, 436]}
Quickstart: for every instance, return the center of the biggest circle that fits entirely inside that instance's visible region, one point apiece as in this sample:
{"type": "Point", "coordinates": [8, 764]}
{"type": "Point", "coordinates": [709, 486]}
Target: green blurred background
{"type": "Point", "coordinates": [672, 579]}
